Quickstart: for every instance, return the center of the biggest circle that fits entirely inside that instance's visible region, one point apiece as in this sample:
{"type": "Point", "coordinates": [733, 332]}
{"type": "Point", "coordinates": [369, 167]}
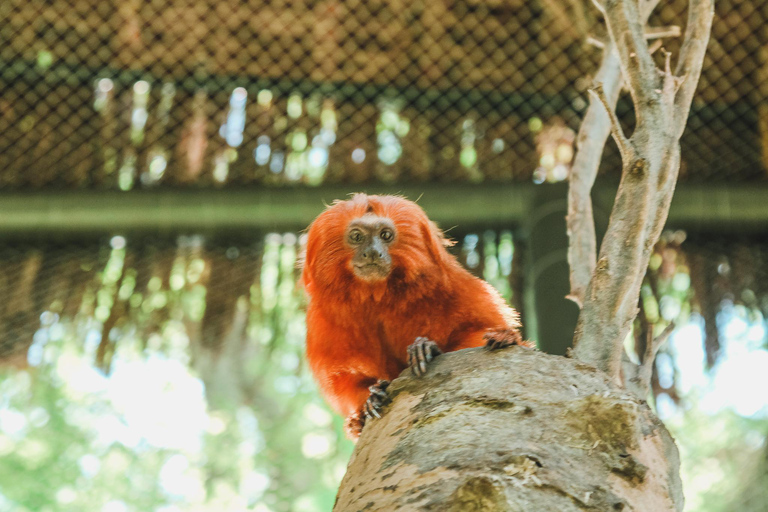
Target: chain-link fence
{"type": "Point", "coordinates": [137, 94]}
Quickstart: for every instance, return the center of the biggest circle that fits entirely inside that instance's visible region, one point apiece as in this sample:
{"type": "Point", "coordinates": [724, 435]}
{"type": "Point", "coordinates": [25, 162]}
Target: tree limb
{"type": "Point", "coordinates": [662, 32]}
{"type": "Point", "coordinates": [651, 349]}
{"type": "Point", "coordinates": [625, 147]}
{"type": "Point", "coordinates": [700, 14]}
{"type": "Point", "coordinates": [626, 29]}
{"type": "Point", "coordinates": [459, 440]}
{"type": "Point", "coordinates": [594, 131]}
{"type": "Point", "coordinates": [637, 378]}
{"type": "Point", "coordinates": [649, 174]}
{"type": "Point", "coordinates": [595, 128]}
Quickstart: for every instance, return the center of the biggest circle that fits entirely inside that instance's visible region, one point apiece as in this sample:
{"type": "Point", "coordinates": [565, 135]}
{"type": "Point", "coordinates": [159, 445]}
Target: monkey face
{"type": "Point", "coordinates": [372, 241]}
{"type": "Point", "coordinates": [370, 238]}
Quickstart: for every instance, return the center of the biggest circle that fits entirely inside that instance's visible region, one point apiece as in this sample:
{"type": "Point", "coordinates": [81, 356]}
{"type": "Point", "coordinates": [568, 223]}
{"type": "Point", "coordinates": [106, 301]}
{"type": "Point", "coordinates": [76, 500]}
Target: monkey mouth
{"type": "Point", "coordinates": [371, 271]}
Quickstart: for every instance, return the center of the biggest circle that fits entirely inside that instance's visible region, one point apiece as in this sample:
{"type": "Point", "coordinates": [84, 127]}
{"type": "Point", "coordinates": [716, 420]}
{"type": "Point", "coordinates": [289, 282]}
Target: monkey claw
{"type": "Point", "coordinates": [495, 340]}
{"type": "Point", "coordinates": [376, 399]}
{"type": "Point", "coordinates": [421, 352]}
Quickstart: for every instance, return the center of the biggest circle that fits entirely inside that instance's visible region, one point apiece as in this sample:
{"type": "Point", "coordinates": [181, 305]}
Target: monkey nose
{"type": "Point", "coordinates": [372, 255]}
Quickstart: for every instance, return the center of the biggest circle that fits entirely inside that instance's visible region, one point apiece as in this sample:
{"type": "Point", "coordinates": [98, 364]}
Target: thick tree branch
{"type": "Point", "coordinates": [598, 122]}
{"type": "Point", "coordinates": [508, 438]}
{"type": "Point", "coordinates": [626, 29]}
{"type": "Point", "coordinates": [582, 250]}
{"type": "Point", "coordinates": [649, 174]}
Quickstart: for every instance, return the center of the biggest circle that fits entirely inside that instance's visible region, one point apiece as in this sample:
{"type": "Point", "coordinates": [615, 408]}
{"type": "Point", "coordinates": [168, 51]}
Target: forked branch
{"type": "Point", "coordinates": [650, 164]}
{"type": "Point", "coordinates": [594, 131]}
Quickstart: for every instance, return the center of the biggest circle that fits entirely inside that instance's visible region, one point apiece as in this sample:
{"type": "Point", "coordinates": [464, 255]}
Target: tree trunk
{"type": "Point", "coordinates": [514, 430]}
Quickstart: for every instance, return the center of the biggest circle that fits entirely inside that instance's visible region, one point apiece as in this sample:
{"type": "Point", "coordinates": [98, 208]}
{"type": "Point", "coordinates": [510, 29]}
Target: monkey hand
{"type": "Point", "coordinates": [503, 338]}
{"type": "Point", "coordinates": [354, 423]}
{"type": "Point", "coordinates": [421, 352]}
{"type": "Point", "coordinates": [376, 399]}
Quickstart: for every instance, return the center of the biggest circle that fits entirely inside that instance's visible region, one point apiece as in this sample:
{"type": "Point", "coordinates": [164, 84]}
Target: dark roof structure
{"type": "Point", "coordinates": [164, 93]}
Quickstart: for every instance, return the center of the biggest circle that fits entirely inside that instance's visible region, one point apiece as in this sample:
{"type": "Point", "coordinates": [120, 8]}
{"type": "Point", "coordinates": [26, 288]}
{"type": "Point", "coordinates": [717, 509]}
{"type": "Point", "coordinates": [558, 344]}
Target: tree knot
{"type": "Point", "coordinates": [638, 168]}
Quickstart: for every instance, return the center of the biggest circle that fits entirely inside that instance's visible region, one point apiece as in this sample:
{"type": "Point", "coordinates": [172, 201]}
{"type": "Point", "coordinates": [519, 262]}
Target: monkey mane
{"type": "Point", "coordinates": [419, 254]}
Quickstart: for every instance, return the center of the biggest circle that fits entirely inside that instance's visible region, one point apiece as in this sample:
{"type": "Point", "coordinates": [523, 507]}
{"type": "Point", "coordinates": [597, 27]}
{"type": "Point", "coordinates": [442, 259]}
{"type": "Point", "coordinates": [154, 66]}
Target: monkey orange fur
{"type": "Point", "coordinates": [358, 330]}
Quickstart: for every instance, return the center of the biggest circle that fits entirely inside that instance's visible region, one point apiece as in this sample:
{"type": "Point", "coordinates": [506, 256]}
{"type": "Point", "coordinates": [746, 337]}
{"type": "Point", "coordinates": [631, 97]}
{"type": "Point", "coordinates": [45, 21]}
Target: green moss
{"type": "Point", "coordinates": [478, 494]}
{"type": "Point", "coordinates": [609, 422]}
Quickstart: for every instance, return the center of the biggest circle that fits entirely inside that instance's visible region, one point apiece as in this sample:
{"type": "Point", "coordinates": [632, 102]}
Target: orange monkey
{"type": "Point", "coordinates": [384, 294]}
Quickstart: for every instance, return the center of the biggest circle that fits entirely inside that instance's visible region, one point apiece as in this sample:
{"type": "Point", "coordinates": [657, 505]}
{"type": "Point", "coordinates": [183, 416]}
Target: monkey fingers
{"type": "Point", "coordinates": [421, 352]}
{"type": "Point", "coordinates": [376, 400]}
{"type": "Point", "coordinates": [353, 426]}
{"type": "Point", "coordinates": [503, 338]}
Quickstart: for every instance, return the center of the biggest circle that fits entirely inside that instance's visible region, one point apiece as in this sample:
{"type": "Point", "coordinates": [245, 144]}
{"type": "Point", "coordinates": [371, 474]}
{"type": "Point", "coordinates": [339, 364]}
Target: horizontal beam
{"type": "Point", "coordinates": [717, 207]}
{"type": "Point", "coordinates": [732, 208]}
{"type": "Point", "coordinates": [178, 211]}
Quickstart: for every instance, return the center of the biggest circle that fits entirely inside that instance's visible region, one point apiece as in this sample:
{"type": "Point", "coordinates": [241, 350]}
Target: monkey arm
{"type": "Point", "coordinates": [356, 396]}
{"type": "Point", "coordinates": [339, 364]}
{"type": "Point", "coordinates": [492, 338]}
{"type": "Point", "coordinates": [346, 391]}
{"type": "Point", "coordinates": [486, 319]}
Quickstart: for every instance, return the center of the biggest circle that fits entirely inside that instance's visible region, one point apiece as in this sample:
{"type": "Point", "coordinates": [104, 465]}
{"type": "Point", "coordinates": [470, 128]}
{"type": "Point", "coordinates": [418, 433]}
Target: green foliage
{"type": "Point", "coordinates": [173, 420]}
{"type": "Point", "coordinates": [723, 458]}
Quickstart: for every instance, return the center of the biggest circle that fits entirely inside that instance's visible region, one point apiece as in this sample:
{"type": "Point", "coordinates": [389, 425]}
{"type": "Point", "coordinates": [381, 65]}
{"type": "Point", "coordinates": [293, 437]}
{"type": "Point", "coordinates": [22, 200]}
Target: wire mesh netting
{"type": "Point", "coordinates": [171, 92]}
{"type": "Point", "coordinates": [136, 288]}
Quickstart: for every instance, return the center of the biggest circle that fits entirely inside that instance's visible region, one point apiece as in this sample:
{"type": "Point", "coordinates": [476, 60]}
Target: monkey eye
{"type": "Point", "coordinates": [356, 236]}
{"type": "Point", "coordinates": [387, 235]}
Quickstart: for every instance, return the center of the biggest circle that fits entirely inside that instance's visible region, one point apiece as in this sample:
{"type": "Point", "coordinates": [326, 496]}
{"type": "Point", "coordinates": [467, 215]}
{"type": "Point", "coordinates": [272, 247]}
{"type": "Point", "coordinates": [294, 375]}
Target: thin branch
{"type": "Point", "coordinates": [625, 147]}
{"type": "Point", "coordinates": [594, 131]}
{"type": "Point", "coordinates": [662, 32]}
{"type": "Point", "coordinates": [700, 14]}
{"type": "Point", "coordinates": [651, 349]}
{"type": "Point", "coordinates": [595, 41]}
{"type": "Point", "coordinates": [655, 46]}
{"type": "Point", "coordinates": [625, 27]}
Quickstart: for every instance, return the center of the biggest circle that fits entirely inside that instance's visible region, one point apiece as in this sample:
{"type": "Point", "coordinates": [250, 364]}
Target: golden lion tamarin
{"type": "Point", "coordinates": [384, 294]}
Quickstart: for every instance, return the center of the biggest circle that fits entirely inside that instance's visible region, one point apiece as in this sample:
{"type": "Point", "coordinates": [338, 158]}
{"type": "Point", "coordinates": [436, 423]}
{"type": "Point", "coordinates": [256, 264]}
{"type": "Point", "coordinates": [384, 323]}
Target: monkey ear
{"type": "Point", "coordinates": [306, 259]}
{"type": "Point", "coordinates": [301, 258]}
{"type": "Point", "coordinates": [305, 280]}
{"type": "Point", "coordinates": [435, 241]}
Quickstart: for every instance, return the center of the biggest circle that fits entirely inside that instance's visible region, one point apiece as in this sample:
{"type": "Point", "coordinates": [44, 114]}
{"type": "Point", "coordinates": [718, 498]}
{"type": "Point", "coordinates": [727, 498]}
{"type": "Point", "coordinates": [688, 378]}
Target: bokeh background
{"type": "Point", "coordinates": [160, 158]}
